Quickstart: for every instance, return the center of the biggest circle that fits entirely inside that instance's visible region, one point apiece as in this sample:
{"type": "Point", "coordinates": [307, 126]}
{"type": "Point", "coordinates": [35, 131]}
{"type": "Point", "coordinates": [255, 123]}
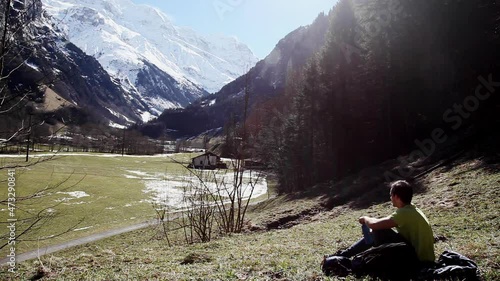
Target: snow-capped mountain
{"type": "Point", "coordinates": [161, 64]}
{"type": "Point", "coordinates": [61, 84]}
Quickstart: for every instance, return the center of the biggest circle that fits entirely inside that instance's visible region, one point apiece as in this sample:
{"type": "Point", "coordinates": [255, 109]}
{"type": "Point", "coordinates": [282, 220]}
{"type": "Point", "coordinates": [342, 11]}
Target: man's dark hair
{"type": "Point", "coordinates": [403, 190]}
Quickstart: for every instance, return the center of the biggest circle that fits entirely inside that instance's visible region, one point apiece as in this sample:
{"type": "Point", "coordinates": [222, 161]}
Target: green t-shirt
{"type": "Point", "coordinates": [415, 227]}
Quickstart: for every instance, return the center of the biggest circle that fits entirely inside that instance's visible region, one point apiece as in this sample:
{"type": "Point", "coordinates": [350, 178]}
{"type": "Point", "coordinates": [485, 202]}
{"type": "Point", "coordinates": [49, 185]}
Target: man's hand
{"type": "Point", "coordinates": [362, 219]}
{"type": "Point", "coordinates": [375, 224]}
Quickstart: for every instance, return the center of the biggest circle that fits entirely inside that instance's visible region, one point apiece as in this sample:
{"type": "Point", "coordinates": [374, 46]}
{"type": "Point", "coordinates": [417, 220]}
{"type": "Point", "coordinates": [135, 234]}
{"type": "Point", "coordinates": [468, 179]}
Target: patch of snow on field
{"type": "Point", "coordinates": [138, 173]}
{"type": "Point", "coordinates": [75, 194]}
{"type": "Point", "coordinates": [171, 192]}
{"type": "Point", "coordinates": [163, 193]}
{"type": "Point", "coordinates": [142, 175]}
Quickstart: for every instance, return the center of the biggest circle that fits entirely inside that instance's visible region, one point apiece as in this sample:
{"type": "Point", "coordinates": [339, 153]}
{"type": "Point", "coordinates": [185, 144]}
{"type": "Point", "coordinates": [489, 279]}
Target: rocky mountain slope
{"type": "Point", "coordinates": [44, 67]}
{"type": "Point", "coordinates": [154, 61]}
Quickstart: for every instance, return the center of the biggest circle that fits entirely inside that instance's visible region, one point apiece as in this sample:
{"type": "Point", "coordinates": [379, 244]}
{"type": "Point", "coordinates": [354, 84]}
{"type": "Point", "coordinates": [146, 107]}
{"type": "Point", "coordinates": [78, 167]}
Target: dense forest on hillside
{"type": "Point", "coordinates": [394, 77]}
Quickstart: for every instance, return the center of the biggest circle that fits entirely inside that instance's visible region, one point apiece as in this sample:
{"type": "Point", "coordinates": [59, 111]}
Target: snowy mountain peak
{"type": "Point", "coordinates": [131, 41]}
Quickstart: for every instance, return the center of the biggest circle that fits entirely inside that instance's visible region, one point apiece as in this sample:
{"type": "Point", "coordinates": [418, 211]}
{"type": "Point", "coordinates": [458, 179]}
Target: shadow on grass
{"type": "Point", "coordinates": [370, 186]}
{"type": "Point", "coordinates": [367, 188]}
{"type": "Point", "coordinates": [485, 154]}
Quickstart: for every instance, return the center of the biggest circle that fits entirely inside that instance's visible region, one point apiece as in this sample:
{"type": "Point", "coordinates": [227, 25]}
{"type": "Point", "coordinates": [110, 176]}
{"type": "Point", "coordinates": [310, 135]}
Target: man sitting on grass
{"type": "Point", "coordinates": [411, 224]}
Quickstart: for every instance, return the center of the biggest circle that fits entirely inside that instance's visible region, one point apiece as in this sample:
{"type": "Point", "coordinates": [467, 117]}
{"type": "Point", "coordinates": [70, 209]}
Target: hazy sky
{"type": "Point", "coordinates": [258, 23]}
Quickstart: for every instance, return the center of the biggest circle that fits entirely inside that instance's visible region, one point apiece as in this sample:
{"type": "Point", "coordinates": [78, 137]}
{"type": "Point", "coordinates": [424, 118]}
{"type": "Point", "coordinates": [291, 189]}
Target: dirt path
{"type": "Point", "coordinates": [80, 241]}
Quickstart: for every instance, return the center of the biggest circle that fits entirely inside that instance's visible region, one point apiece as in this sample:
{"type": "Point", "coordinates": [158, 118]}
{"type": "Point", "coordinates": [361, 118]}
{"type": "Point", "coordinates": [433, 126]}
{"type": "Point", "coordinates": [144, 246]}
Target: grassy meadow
{"type": "Point", "coordinates": [90, 194]}
{"type": "Point", "coordinates": [288, 235]}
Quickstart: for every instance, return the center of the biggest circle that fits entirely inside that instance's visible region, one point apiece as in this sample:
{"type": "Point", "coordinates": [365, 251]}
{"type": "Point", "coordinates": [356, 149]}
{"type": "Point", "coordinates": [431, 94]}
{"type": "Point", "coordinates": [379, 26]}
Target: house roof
{"type": "Point", "coordinates": [207, 154]}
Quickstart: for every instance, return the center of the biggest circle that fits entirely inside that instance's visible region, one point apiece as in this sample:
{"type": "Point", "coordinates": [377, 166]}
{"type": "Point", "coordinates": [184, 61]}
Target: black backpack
{"type": "Point", "coordinates": [454, 266]}
{"type": "Point", "coordinates": [336, 266]}
{"type": "Point", "coordinates": [393, 261]}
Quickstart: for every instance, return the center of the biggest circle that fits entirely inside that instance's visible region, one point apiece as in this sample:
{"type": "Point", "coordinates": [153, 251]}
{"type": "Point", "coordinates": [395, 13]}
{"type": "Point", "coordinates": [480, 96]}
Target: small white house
{"type": "Point", "coordinates": [208, 160]}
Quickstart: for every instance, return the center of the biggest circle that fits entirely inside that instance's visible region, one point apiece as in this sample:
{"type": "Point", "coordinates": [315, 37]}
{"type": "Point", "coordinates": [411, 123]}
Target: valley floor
{"type": "Point", "coordinates": [288, 235]}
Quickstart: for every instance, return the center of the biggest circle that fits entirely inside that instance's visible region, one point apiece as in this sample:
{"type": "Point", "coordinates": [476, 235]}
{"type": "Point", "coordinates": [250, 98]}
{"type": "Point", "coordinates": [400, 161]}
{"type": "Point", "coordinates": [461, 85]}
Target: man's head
{"type": "Point", "coordinates": [401, 193]}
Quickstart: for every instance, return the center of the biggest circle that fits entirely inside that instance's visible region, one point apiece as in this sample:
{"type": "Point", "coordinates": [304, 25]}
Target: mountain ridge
{"type": "Point", "coordinates": [122, 36]}
{"type": "Point", "coordinates": [265, 81]}
{"type": "Point", "coordinates": [43, 65]}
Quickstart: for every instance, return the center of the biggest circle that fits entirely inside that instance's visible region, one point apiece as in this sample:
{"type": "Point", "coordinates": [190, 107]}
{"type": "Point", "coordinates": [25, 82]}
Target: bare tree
{"type": "Point", "coordinates": [18, 19]}
{"type": "Point", "coordinates": [232, 198]}
{"type": "Point", "coordinates": [200, 211]}
{"type": "Point", "coordinates": [20, 84]}
{"type": "Point", "coordinates": [163, 211]}
{"type": "Point", "coordinates": [234, 215]}
{"type": "Point", "coordinates": [215, 197]}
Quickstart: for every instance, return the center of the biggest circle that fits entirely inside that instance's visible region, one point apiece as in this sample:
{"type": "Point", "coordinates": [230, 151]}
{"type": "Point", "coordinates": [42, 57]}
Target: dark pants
{"type": "Point", "coordinates": [373, 238]}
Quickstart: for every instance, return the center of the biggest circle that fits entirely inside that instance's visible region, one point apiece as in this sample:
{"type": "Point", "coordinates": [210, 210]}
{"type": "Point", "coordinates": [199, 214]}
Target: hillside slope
{"type": "Point", "coordinates": [290, 234]}
{"type": "Point", "coordinates": [265, 82]}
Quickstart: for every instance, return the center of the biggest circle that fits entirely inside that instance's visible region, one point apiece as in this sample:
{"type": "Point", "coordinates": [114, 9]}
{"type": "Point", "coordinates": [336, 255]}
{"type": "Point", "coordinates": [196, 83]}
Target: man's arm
{"type": "Point", "coordinates": [376, 224]}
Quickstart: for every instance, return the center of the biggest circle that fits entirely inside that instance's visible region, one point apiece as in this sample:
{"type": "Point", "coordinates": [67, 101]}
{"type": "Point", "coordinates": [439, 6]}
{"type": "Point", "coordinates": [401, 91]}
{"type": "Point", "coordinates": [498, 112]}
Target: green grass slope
{"type": "Point", "coordinates": [288, 235]}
